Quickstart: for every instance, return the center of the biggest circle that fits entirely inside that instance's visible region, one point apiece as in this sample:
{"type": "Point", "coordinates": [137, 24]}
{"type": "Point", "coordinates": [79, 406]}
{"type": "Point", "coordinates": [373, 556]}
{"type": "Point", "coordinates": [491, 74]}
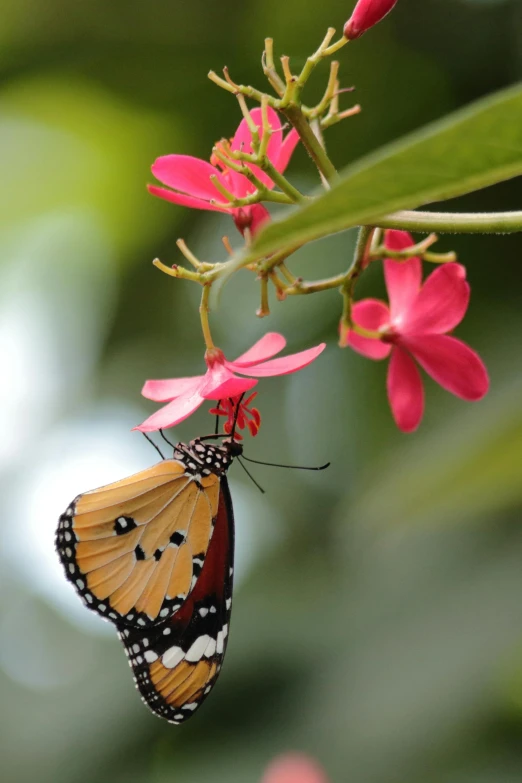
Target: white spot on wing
{"type": "Point", "coordinates": [172, 657]}
{"type": "Point", "coordinates": [197, 650]}
{"type": "Point", "coordinates": [211, 649]}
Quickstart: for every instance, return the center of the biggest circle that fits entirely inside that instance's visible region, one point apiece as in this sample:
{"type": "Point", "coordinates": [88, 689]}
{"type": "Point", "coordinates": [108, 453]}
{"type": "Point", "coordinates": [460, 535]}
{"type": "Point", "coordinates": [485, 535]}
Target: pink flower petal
{"type": "Point", "coordinates": [441, 303]}
{"type": "Point", "coordinates": [232, 387]}
{"type": "Point", "coordinates": [243, 141]}
{"type": "Point", "coordinates": [405, 391]}
{"type": "Point", "coordinates": [403, 278]}
{"type": "Point", "coordinates": [294, 768]}
{"type": "Point", "coordinates": [370, 314]}
{"type": "Point", "coordinates": [188, 175]}
{"type": "Point", "coordinates": [176, 411]}
{"type": "Point", "coordinates": [221, 382]}
{"type": "Point", "coordinates": [260, 215]}
{"type": "Point", "coordinates": [186, 201]}
{"type": "Point", "coordinates": [263, 349]}
{"type": "Point", "coordinates": [168, 389]}
{"type": "Point", "coordinates": [452, 363]}
{"type": "Point", "coordinates": [239, 185]}
{"type": "Point", "coordinates": [283, 365]}
{"type": "Point", "coordinates": [287, 148]}
{"type": "Point", "coordinates": [397, 240]}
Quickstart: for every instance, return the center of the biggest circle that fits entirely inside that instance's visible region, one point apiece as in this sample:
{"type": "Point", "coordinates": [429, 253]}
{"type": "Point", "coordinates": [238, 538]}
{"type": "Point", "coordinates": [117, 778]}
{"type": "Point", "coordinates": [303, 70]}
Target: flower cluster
{"type": "Point", "coordinates": [413, 330]}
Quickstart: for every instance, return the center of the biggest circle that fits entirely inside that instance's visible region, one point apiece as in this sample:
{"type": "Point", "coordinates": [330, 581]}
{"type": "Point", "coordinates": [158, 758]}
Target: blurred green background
{"type": "Point", "coordinates": [378, 614]}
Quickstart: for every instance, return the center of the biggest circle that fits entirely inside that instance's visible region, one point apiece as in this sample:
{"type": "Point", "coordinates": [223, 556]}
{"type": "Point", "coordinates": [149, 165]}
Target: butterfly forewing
{"type": "Point", "coordinates": [176, 663]}
{"type": "Point", "coordinates": [134, 549]}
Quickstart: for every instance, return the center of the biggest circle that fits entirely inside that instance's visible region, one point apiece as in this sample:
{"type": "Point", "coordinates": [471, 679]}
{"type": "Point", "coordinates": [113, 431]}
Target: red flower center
{"type": "Point", "coordinates": [246, 415]}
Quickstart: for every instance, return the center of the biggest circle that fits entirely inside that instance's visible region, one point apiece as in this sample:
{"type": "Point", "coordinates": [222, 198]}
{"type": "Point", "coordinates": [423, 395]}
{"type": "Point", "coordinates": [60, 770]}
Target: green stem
{"type": "Point", "coordinates": [312, 145]}
{"type": "Point", "coordinates": [264, 308]}
{"type": "Point", "coordinates": [325, 101]}
{"type": "Point", "coordinates": [269, 68]}
{"type": "Point", "coordinates": [178, 271]}
{"type": "Point", "coordinates": [203, 312]}
{"type": "Point", "coordinates": [249, 92]}
{"type": "Point", "coordinates": [282, 182]}
{"type": "Point", "coordinates": [262, 195]}
{"type": "Point", "coordinates": [362, 248]}
{"type": "Point", "coordinates": [454, 222]}
{"type": "Point", "coordinates": [300, 287]}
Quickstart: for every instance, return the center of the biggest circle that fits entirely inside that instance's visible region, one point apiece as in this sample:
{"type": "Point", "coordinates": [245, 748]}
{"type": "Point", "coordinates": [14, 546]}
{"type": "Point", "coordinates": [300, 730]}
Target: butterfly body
{"type": "Point", "coordinates": [153, 553]}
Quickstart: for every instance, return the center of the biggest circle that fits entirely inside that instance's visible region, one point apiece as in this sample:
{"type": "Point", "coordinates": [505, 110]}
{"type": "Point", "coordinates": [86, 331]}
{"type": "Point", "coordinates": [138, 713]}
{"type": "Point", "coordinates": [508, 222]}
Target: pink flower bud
{"type": "Point", "coordinates": [366, 14]}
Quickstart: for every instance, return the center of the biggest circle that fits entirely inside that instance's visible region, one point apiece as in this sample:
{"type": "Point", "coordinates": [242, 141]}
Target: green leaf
{"type": "Point", "coordinates": [471, 149]}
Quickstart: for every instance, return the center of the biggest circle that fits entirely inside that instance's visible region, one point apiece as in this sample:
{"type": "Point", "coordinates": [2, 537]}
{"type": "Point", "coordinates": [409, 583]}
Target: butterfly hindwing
{"type": "Point", "coordinates": [134, 549]}
{"type": "Point", "coordinates": [177, 662]}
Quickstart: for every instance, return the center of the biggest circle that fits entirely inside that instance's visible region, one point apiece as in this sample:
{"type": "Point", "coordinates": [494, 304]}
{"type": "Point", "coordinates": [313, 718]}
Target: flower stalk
{"type": "Point", "coordinates": [204, 311]}
{"type": "Point", "coordinates": [454, 222]}
{"type": "Point", "coordinates": [421, 249]}
{"type": "Point", "coordinates": [295, 116]}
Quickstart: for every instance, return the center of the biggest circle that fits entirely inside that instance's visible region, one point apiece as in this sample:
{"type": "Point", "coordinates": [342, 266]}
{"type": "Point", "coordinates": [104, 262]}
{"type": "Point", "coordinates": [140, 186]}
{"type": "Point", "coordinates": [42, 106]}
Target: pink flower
{"type": "Point", "coordinates": [185, 395]}
{"type": "Point", "coordinates": [294, 768]}
{"type": "Point", "coordinates": [243, 416]}
{"type": "Point", "coordinates": [366, 14]}
{"type": "Point", "coordinates": [416, 325]}
{"type": "Point", "coordinates": [190, 180]}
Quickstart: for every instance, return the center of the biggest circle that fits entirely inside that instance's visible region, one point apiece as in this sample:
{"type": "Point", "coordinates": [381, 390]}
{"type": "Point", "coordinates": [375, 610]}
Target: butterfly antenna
{"type": "Point", "coordinates": [153, 444]}
{"type": "Point", "coordinates": [292, 467]}
{"type": "Point", "coordinates": [166, 439]}
{"type": "Point", "coordinates": [250, 476]}
{"type": "Point", "coordinates": [216, 428]}
{"type": "Point", "coordinates": [236, 414]}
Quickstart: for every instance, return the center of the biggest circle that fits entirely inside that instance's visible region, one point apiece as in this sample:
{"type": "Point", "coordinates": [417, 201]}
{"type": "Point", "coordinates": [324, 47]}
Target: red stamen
{"type": "Point", "coordinates": [244, 416]}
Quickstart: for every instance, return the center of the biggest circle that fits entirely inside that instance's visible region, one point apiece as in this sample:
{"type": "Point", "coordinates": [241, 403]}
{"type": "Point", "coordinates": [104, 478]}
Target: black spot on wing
{"type": "Point", "coordinates": [177, 538]}
{"type": "Point", "coordinates": [124, 525]}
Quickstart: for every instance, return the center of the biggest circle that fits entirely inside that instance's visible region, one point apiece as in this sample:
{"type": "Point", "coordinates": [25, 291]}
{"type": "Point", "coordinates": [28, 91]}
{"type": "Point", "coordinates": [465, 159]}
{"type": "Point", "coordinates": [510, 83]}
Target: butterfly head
{"type": "Point", "coordinates": [233, 447]}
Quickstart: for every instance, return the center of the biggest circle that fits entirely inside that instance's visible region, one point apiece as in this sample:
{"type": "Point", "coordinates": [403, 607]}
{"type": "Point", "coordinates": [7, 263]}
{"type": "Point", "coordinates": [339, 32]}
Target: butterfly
{"type": "Point", "coordinates": [154, 554]}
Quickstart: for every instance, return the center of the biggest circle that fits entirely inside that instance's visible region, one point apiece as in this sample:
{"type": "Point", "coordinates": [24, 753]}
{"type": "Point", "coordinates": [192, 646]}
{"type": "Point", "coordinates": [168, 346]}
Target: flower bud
{"type": "Point", "coordinates": [366, 14]}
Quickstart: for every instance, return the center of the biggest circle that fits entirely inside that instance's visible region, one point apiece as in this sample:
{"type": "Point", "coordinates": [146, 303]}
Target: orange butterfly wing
{"type": "Point", "coordinates": [176, 663]}
{"type": "Point", "coordinates": [134, 549]}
